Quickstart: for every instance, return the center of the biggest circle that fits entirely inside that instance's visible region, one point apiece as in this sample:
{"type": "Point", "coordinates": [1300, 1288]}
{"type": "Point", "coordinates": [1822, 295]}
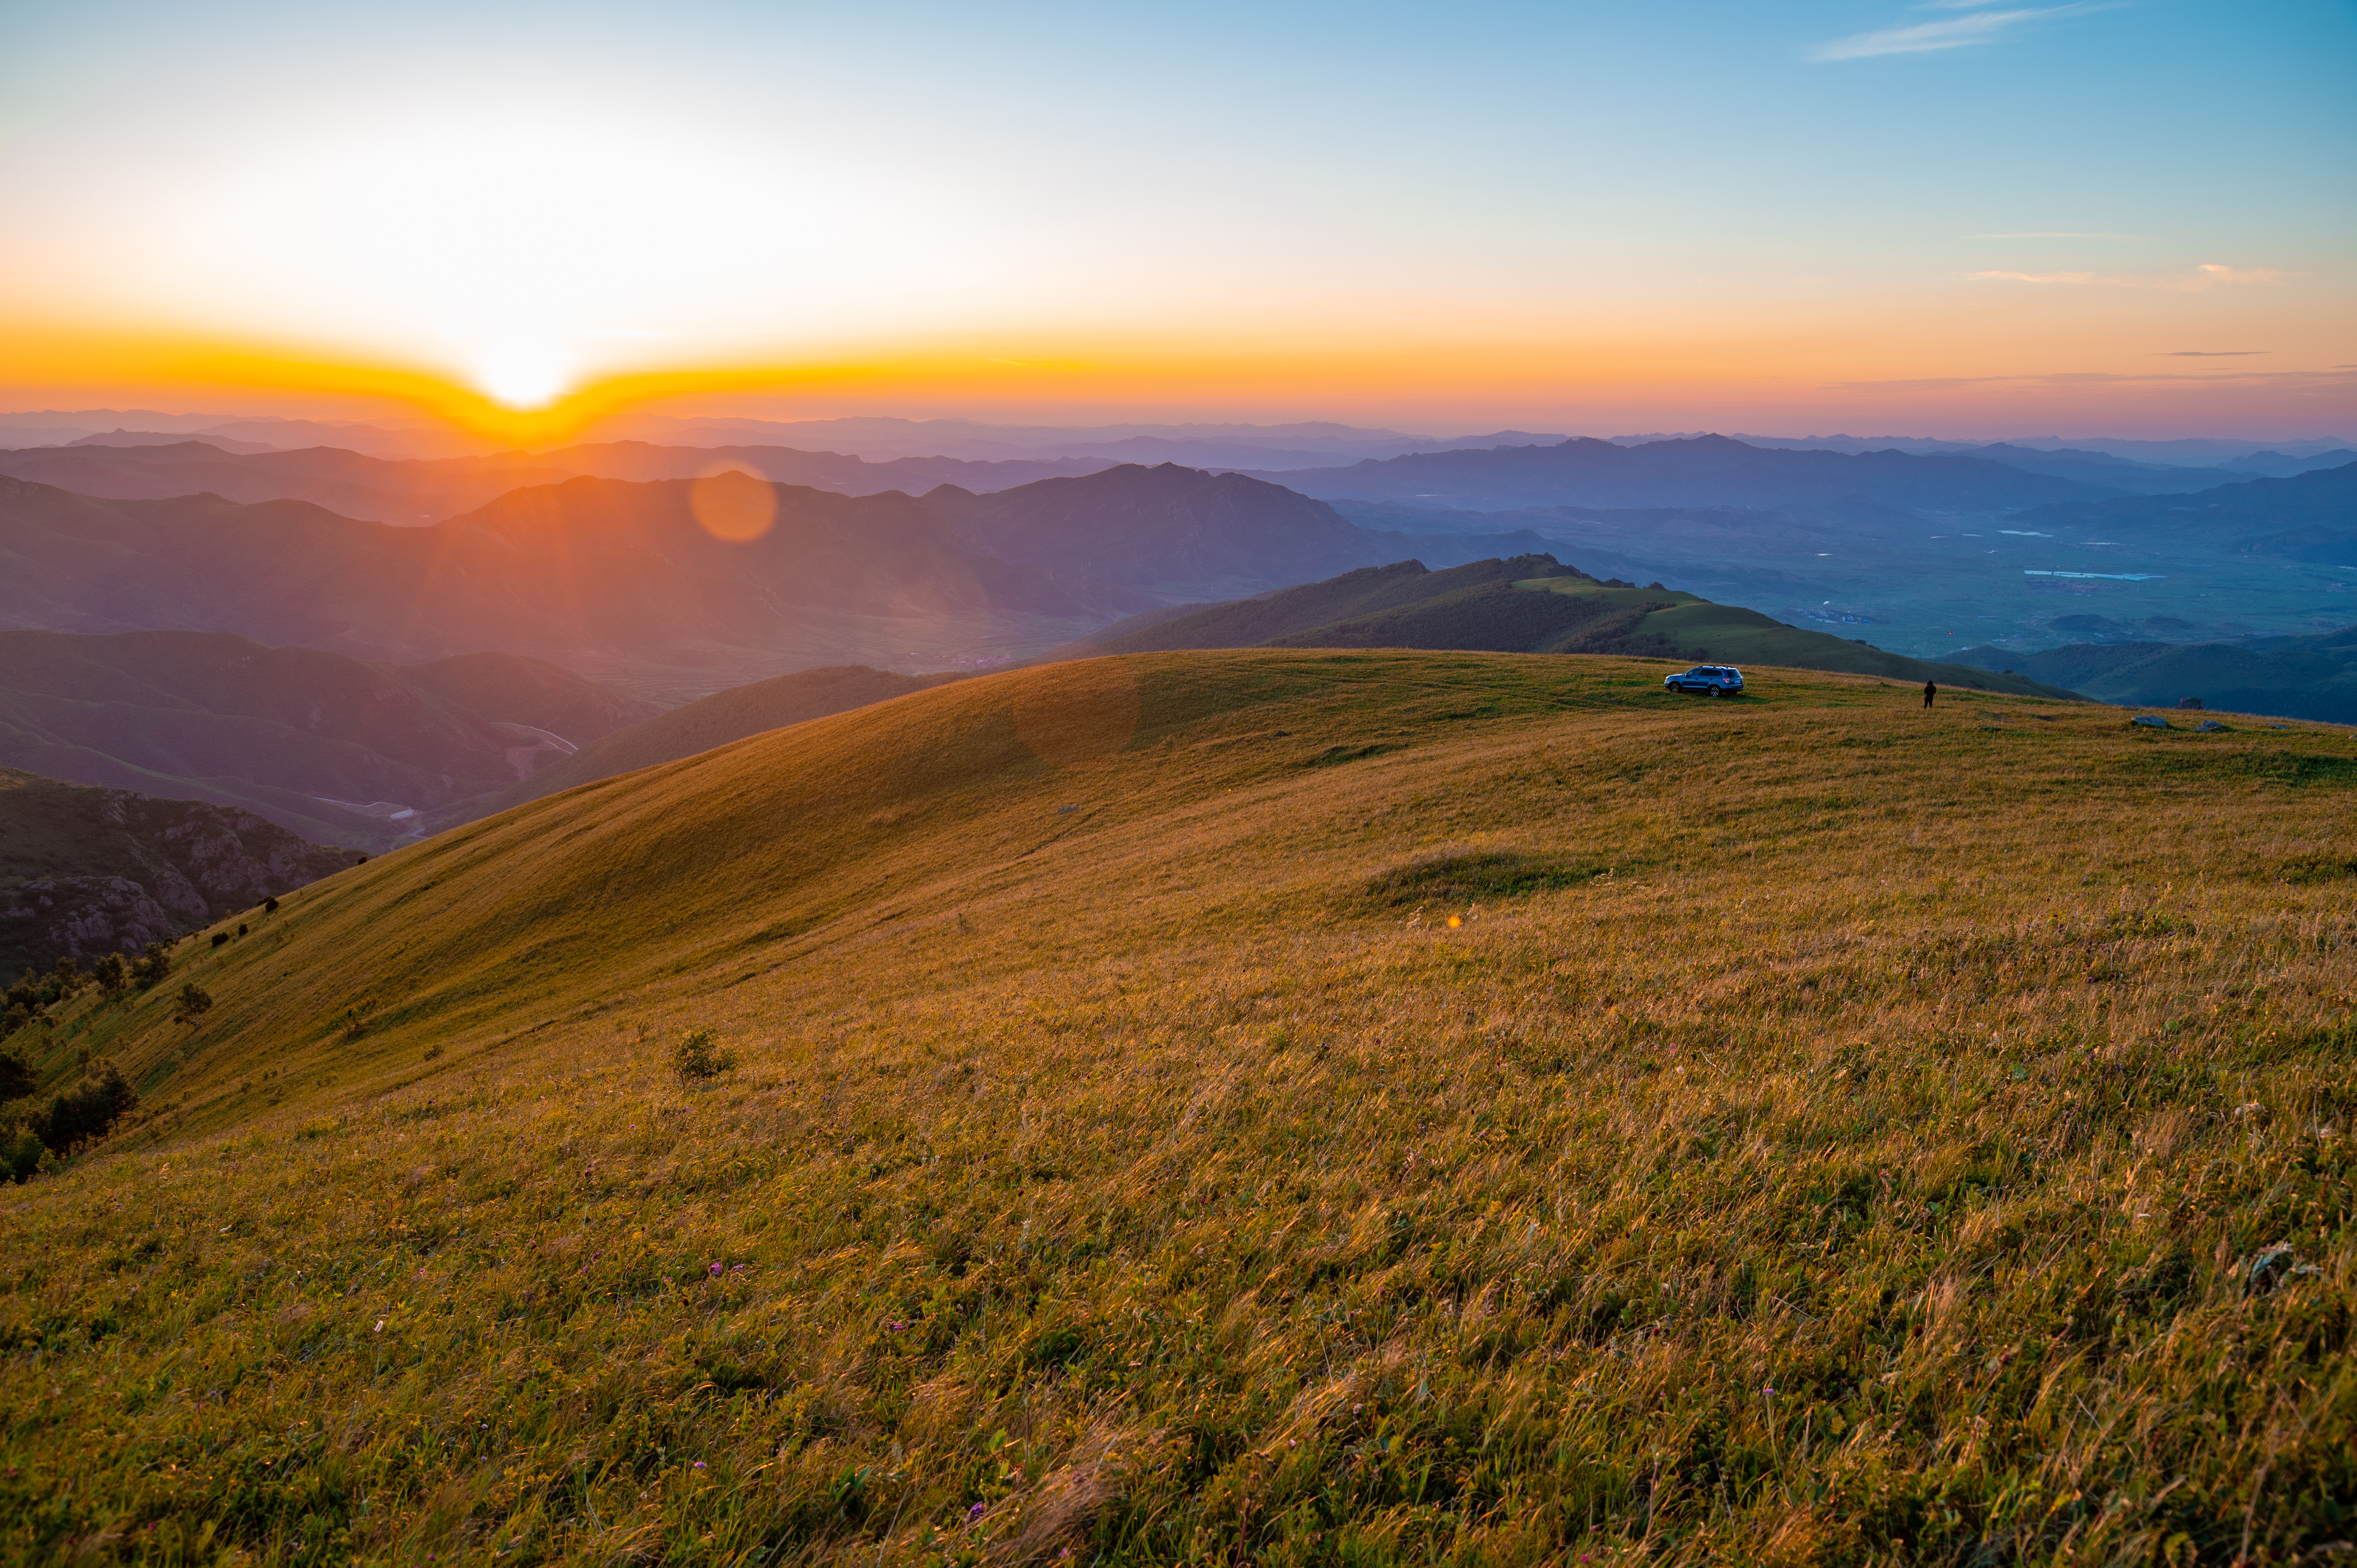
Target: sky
{"type": "Point", "coordinates": [2129, 217]}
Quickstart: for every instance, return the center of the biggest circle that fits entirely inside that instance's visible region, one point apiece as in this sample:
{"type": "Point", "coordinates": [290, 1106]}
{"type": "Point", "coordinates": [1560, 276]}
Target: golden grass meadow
{"type": "Point", "coordinates": [1282, 1107]}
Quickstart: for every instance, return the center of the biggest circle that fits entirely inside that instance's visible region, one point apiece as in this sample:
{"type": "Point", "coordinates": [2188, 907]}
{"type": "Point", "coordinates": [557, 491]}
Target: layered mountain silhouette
{"type": "Point", "coordinates": [425, 490]}
{"type": "Point", "coordinates": [2310, 517]}
{"type": "Point", "coordinates": [86, 872]}
{"type": "Point", "coordinates": [378, 490]}
{"type": "Point", "coordinates": [323, 745]}
{"type": "Point", "coordinates": [622, 578]}
{"type": "Point", "coordinates": [1529, 603]}
{"type": "Point", "coordinates": [1704, 470]}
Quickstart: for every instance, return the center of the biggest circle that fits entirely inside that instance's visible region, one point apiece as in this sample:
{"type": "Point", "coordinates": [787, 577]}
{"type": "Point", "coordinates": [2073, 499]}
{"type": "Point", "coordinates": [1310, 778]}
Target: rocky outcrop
{"type": "Point", "coordinates": [85, 872]}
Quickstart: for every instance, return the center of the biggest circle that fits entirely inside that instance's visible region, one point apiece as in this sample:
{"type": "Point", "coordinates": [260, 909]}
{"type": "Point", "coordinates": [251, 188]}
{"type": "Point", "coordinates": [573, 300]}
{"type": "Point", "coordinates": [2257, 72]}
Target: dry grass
{"type": "Point", "coordinates": [1828, 1133]}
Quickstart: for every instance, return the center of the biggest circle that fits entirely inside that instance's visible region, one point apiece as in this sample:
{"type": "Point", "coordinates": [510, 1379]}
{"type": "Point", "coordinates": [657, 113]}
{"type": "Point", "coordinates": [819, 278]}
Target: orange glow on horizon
{"type": "Point", "coordinates": [1859, 376]}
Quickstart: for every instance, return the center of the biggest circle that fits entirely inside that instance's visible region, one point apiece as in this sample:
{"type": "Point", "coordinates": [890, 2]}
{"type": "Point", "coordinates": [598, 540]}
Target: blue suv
{"type": "Point", "coordinates": [1718, 680]}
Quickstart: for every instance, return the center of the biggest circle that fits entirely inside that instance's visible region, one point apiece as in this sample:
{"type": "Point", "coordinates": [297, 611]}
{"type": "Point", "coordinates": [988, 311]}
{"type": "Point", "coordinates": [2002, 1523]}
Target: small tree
{"type": "Point", "coordinates": [694, 1060]}
{"type": "Point", "coordinates": [69, 977]}
{"type": "Point", "coordinates": [85, 1112]}
{"type": "Point", "coordinates": [195, 1001]}
{"type": "Point", "coordinates": [150, 968]}
{"type": "Point", "coordinates": [17, 1077]}
{"type": "Point", "coordinates": [112, 974]}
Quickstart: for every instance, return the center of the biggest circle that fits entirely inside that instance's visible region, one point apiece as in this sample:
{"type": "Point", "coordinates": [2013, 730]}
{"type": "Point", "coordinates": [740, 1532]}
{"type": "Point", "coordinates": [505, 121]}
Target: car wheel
{"type": "Point", "coordinates": [1718, 691]}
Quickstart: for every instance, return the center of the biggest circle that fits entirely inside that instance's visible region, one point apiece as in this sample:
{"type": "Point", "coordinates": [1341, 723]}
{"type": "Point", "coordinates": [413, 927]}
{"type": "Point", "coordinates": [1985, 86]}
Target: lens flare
{"type": "Point", "coordinates": [733, 505]}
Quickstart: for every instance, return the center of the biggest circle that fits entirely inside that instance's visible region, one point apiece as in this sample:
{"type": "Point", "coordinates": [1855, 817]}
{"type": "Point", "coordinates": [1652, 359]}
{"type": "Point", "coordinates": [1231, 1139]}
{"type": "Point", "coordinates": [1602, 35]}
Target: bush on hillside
{"type": "Point", "coordinates": [112, 974]}
{"type": "Point", "coordinates": [694, 1060]}
{"type": "Point", "coordinates": [148, 969]}
{"type": "Point", "coordinates": [195, 1003]}
{"type": "Point", "coordinates": [87, 1112]}
{"type": "Point", "coordinates": [23, 1154]}
{"type": "Point", "coordinates": [17, 1077]}
{"type": "Point", "coordinates": [1459, 876]}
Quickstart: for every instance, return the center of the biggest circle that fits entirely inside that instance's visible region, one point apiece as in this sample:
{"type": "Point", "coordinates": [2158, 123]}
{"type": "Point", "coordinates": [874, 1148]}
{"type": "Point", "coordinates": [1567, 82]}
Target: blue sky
{"type": "Point", "coordinates": [1878, 193]}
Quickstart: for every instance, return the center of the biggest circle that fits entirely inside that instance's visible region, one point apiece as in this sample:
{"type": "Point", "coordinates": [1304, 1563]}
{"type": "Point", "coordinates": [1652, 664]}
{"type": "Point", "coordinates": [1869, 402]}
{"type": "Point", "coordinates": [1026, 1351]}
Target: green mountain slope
{"type": "Point", "coordinates": [1533, 604]}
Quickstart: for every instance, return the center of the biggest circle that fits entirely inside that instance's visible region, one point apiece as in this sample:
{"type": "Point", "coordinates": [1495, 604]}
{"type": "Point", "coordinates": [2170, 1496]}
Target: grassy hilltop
{"type": "Point", "coordinates": [1272, 1105]}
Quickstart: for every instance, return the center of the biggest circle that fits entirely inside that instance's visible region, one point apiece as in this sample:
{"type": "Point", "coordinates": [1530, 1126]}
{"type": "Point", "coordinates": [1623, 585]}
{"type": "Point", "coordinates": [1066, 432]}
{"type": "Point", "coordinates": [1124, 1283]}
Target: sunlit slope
{"type": "Point", "coordinates": [727, 864]}
{"type": "Point", "coordinates": [754, 857]}
{"type": "Point", "coordinates": [1270, 1106]}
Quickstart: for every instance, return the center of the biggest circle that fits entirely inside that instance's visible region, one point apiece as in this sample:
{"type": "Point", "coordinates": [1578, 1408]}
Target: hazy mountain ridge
{"type": "Point", "coordinates": [2308, 517]}
{"type": "Point", "coordinates": [618, 577]}
{"type": "Point", "coordinates": [1708, 470]}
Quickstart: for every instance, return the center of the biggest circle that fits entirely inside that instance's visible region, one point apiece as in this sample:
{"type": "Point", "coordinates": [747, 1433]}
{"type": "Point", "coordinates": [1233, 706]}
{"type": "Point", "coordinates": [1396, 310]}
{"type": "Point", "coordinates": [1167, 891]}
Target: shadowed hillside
{"type": "Point", "coordinates": [2297, 677]}
{"type": "Point", "coordinates": [717, 720]}
{"type": "Point", "coordinates": [1263, 1105]}
{"type": "Point", "coordinates": [84, 872]}
{"type": "Point", "coordinates": [327, 746]}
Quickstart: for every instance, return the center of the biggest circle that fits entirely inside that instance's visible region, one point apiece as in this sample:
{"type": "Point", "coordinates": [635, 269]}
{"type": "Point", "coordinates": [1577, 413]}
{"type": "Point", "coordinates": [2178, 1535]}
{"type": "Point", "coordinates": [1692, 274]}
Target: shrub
{"type": "Point", "coordinates": [69, 977]}
{"type": "Point", "coordinates": [148, 969]}
{"type": "Point", "coordinates": [694, 1060]}
{"type": "Point", "coordinates": [85, 1112]}
{"type": "Point", "coordinates": [17, 1077]}
{"type": "Point", "coordinates": [220, 938]}
{"type": "Point", "coordinates": [112, 974]}
{"type": "Point", "coordinates": [195, 1001]}
{"type": "Point", "coordinates": [23, 1154]}
{"type": "Point", "coordinates": [270, 906]}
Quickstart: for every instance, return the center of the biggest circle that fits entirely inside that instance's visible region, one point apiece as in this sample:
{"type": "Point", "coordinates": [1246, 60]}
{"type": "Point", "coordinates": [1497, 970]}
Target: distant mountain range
{"type": "Point", "coordinates": [322, 745]}
{"type": "Point", "coordinates": [1275, 447]}
{"type": "Point", "coordinates": [2311, 517]}
{"type": "Point", "coordinates": [1528, 604]}
{"type": "Point", "coordinates": [621, 580]}
{"type": "Point", "coordinates": [1708, 470]}
{"type": "Point", "coordinates": [85, 872]}
{"type": "Point", "coordinates": [425, 490]}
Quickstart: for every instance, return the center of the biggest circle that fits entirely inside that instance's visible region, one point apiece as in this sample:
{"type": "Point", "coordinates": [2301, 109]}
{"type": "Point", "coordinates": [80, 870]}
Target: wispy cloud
{"type": "Point", "coordinates": [2054, 234]}
{"type": "Point", "coordinates": [1948, 33]}
{"type": "Point", "coordinates": [2041, 277]}
{"type": "Point", "coordinates": [2281, 380]}
{"type": "Point", "coordinates": [2209, 274]}
{"type": "Point", "coordinates": [2212, 353]}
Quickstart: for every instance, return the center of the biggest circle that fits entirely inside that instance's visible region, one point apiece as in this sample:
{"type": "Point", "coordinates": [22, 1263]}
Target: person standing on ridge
{"type": "Point", "coordinates": [1930, 692]}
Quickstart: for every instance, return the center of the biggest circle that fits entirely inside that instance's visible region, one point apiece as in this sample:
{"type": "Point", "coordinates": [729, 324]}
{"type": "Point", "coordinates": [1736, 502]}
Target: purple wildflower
{"type": "Point", "coordinates": [973, 1513]}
